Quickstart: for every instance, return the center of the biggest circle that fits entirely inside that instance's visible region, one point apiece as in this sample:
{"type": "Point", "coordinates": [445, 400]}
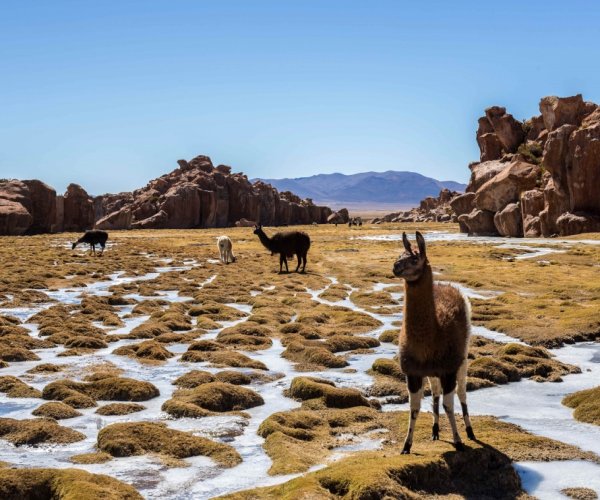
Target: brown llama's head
{"type": "Point", "coordinates": [257, 228]}
{"type": "Point", "coordinates": [410, 264]}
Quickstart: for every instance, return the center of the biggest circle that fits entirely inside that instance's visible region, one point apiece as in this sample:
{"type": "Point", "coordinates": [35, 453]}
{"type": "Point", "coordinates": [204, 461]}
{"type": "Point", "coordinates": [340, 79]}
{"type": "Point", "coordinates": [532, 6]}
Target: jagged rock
{"type": "Point", "coordinates": [534, 127]}
{"type": "Point", "coordinates": [569, 223]}
{"type": "Point", "coordinates": [78, 209]}
{"type": "Point", "coordinates": [556, 151]}
{"type": "Point", "coordinates": [490, 146]}
{"type": "Point", "coordinates": [155, 221]}
{"type": "Point", "coordinates": [121, 219]}
{"type": "Point", "coordinates": [340, 217]}
{"type": "Point", "coordinates": [583, 169]}
{"type": "Point", "coordinates": [556, 202]}
{"type": "Point", "coordinates": [479, 223]}
{"type": "Point", "coordinates": [508, 222]}
{"type": "Point", "coordinates": [483, 172]}
{"type": "Point", "coordinates": [245, 223]}
{"type": "Point", "coordinates": [43, 206]}
{"type": "Point", "coordinates": [505, 187]}
{"type": "Point", "coordinates": [14, 218]}
{"type": "Point", "coordinates": [532, 203]}
{"type": "Point", "coordinates": [463, 204]}
{"type": "Point", "coordinates": [558, 111]}
{"type": "Point", "coordinates": [509, 131]}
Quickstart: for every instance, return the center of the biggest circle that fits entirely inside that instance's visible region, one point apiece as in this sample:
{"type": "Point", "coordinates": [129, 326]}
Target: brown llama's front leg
{"type": "Point", "coordinates": [304, 261]}
{"type": "Point", "coordinates": [436, 391]}
{"type": "Point", "coordinates": [449, 388]}
{"type": "Point", "coordinates": [92, 248]}
{"type": "Point", "coordinates": [461, 391]}
{"type": "Point", "coordinates": [415, 394]}
{"type": "Point", "coordinates": [299, 255]}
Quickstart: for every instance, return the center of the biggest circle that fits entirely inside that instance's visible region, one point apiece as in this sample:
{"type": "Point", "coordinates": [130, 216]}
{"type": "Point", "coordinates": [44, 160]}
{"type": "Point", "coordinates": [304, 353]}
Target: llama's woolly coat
{"type": "Point", "coordinates": [435, 335]}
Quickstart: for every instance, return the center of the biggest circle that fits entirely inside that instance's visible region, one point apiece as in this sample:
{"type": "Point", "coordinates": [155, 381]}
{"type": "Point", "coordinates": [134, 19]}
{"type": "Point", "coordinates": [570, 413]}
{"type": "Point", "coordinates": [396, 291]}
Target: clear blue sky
{"type": "Point", "coordinates": [110, 94]}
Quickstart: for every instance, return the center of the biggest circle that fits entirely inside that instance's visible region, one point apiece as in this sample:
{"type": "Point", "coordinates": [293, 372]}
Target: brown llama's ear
{"type": "Point", "coordinates": [407, 246]}
{"type": "Point", "coordinates": [421, 243]}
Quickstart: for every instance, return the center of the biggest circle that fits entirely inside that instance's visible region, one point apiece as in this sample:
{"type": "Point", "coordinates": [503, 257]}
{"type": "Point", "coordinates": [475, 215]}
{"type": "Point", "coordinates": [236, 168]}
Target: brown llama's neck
{"type": "Point", "coordinates": [264, 239]}
{"type": "Point", "coordinates": [419, 306]}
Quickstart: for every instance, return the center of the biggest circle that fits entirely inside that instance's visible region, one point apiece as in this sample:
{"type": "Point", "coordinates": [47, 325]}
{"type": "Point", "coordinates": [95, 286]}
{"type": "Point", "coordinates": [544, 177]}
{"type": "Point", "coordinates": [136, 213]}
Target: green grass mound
{"type": "Point", "coordinates": [586, 404]}
{"type": "Point", "coordinates": [139, 438]}
{"type": "Point", "coordinates": [120, 409]}
{"type": "Point", "coordinates": [15, 388]}
{"type": "Point", "coordinates": [56, 410]}
{"type": "Point", "coordinates": [62, 484]}
{"type": "Point", "coordinates": [37, 431]}
{"type": "Point", "coordinates": [221, 358]}
{"type": "Point", "coordinates": [305, 388]}
{"type": "Point", "coordinates": [211, 397]}
{"type": "Point", "coordinates": [85, 394]}
{"type": "Point", "coordinates": [148, 349]}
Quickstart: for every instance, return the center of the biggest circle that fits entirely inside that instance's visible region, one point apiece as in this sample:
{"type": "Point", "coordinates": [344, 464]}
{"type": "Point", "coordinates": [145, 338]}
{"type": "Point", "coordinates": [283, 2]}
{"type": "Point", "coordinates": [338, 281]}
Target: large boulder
{"type": "Point", "coordinates": [78, 209]}
{"type": "Point", "coordinates": [15, 219]}
{"type": "Point", "coordinates": [505, 188]}
{"type": "Point", "coordinates": [532, 203]}
{"type": "Point", "coordinates": [483, 172]}
{"type": "Point", "coordinates": [340, 217]}
{"type": "Point", "coordinates": [556, 151]}
{"type": "Point", "coordinates": [182, 204]}
{"type": "Point", "coordinates": [534, 127]}
{"type": "Point", "coordinates": [569, 223]}
{"type": "Point", "coordinates": [508, 222]}
{"type": "Point", "coordinates": [558, 111]}
{"type": "Point", "coordinates": [556, 202]}
{"type": "Point", "coordinates": [583, 169]}
{"type": "Point", "coordinates": [121, 219]}
{"type": "Point", "coordinates": [490, 146]}
{"type": "Point", "coordinates": [509, 131]}
{"type": "Point", "coordinates": [463, 204]}
{"type": "Point", "coordinates": [479, 223]}
{"type": "Point", "coordinates": [43, 206]}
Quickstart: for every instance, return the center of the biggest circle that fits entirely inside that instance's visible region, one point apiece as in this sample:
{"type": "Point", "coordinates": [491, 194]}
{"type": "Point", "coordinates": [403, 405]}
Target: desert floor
{"type": "Point", "coordinates": [156, 370]}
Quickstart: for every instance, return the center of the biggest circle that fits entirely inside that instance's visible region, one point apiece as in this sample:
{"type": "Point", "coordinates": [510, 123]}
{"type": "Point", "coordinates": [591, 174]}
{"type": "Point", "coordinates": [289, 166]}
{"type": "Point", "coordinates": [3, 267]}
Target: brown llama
{"type": "Point", "coordinates": [93, 237]}
{"type": "Point", "coordinates": [433, 341]}
{"type": "Point", "coordinates": [286, 245]}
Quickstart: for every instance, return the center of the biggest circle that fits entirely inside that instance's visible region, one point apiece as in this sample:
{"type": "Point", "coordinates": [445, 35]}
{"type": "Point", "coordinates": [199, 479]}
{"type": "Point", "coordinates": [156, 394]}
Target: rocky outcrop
{"type": "Point", "coordinates": [199, 195]}
{"type": "Point", "coordinates": [195, 195]}
{"type": "Point", "coordinates": [539, 177]}
{"type": "Point", "coordinates": [340, 217]}
{"type": "Point", "coordinates": [78, 209]}
{"type": "Point", "coordinates": [430, 209]}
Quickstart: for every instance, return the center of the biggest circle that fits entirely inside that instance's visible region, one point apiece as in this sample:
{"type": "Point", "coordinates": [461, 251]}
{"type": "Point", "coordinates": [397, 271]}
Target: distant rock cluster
{"type": "Point", "coordinates": [195, 195]}
{"type": "Point", "coordinates": [32, 207]}
{"type": "Point", "coordinates": [535, 178]}
{"type": "Point", "coordinates": [431, 209]}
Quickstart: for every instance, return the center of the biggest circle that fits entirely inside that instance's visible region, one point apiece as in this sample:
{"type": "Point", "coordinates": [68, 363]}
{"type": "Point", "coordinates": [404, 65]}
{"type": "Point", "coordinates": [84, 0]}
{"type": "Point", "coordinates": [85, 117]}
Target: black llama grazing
{"type": "Point", "coordinates": [93, 237]}
{"type": "Point", "coordinates": [286, 245]}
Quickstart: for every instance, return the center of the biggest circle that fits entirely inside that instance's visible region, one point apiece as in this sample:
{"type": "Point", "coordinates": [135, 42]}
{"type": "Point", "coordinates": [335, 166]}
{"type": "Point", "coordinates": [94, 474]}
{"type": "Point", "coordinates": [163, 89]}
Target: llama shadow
{"type": "Point", "coordinates": [476, 472]}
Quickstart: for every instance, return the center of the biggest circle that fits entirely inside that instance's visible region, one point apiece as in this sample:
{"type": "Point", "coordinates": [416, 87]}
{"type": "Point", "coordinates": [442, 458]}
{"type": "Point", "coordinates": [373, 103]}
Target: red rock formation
{"type": "Point", "coordinates": [547, 171]}
{"type": "Point", "coordinates": [78, 209]}
{"type": "Point", "coordinates": [199, 195]}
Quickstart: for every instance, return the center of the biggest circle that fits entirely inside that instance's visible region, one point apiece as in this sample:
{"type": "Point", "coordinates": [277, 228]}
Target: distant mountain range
{"type": "Point", "coordinates": [367, 189]}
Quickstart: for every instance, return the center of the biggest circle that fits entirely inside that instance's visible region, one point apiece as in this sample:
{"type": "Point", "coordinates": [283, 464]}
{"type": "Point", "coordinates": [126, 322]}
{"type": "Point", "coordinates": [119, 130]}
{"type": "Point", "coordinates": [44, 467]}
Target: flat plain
{"type": "Point", "coordinates": [156, 370]}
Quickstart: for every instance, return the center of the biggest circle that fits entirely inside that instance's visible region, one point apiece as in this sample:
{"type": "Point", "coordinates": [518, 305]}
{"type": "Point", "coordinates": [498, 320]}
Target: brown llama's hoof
{"type": "Point", "coordinates": [435, 432]}
{"type": "Point", "coordinates": [406, 449]}
{"type": "Point", "coordinates": [470, 433]}
{"type": "Point", "coordinates": [459, 446]}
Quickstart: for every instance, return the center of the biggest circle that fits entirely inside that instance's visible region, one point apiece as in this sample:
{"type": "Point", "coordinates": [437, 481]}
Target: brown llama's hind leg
{"type": "Point", "coordinates": [415, 394]}
{"type": "Point", "coordinates": [449, 388]}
